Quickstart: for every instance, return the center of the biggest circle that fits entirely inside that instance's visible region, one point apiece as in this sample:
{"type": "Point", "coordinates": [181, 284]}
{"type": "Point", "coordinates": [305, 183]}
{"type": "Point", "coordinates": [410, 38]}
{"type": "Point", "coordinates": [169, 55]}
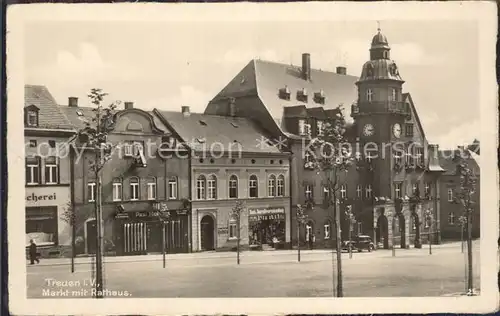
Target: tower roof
{"type": "Point", "coordinates": [380, 40]}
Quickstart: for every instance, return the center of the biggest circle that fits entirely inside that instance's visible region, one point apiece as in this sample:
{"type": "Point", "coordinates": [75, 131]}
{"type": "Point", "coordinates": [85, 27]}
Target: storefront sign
{"type": "Point", "coordinates": [222, 230]}
{"type": "Point", "coordinates": [39, 196]}
{"type": "Point", "coordinates": [147, 214]}
{"type": "Point", "coordinates": [121, 216]}
{"type": "Point", "coordinates": [266, 217]}
{"type": "Point", "coordinates": [45, 197]}
{"type": "Point", "coordinates": [266, 211]}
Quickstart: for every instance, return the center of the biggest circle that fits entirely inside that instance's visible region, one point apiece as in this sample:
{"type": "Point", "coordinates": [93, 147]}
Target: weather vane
{"type": "Point", "coordinates": [378, 26]}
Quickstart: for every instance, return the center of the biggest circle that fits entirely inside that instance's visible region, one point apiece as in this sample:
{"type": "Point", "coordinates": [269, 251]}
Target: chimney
{"type": "Point", "coordinates": [185, 110]}
{"type": "Point", "coordinates": [73, 102]}
{"type": "Point", "coordinates": [306, 66]}
{"type": "Point", "coordinates": [128, 105]}
{"type": "Point", "coordinates": [232, 106]}
{"type": "Point", "coordinates": [341, 70]}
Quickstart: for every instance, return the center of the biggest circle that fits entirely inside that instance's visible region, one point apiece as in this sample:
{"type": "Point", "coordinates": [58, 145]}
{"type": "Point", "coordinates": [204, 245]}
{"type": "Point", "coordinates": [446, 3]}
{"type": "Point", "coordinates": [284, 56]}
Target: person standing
{"type": "Point", "coordinates": [33, 256]}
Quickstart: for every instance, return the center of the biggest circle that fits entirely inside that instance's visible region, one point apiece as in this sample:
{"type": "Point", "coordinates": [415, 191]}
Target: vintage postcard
{"type": "Point", "coordinates": [252, 158]}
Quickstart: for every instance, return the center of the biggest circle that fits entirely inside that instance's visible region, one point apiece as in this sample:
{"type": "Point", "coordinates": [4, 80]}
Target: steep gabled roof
{"type": "Point", "coordinates": [265, 79]}
{"type": "Point", "coordinates": [49, 114]}
{"type": "Point", "coordinates": [449, 163]}
{"type": "Point", "coordinates": [407, 98]}
{"type": "Point", "coordinates": [203, 132]}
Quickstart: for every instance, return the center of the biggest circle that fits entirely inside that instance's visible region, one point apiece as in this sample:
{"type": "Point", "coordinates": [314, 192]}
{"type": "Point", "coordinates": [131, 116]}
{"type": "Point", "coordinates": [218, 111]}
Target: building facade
{"type": "Point", "coordinates": [231, 160]}
{"type": "Point", "coordinates": [395, 179]}
{"type": "Point", "coordinates": [47, 182]}
{"type": "Point", "coordinates": [141, 181]}
{"type": "Point", "coordinates": [451, 209]}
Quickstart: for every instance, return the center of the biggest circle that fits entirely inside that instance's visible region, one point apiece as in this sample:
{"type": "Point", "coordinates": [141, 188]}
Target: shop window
{"type": "Point", "coordinates": [253, 185]}
{"type": "Point", "coordinates": [41, 225]}
{"type": "Point", "coordinates": [172, 188]}
{"type": "Point", "coordinates": [51, 170]}
{"type": "Point", "coordinates": [117, 189]}
{"type": "Point", "coordinates": [450, 195]}
{"type": "Point", "coordinates": [233, 227]}
{"type": "Point", "coordinates": [328, 231]}
{"type": "Point", "coordinates": [32, 170]}
{"type": "Point", "coordinates": [451, 218]}
{"type": "Point", "coordinates": [212, 187]}
{"type": "Point", "coordinates": [91, 191]}
{"type": "Point", "coordinates": [271, 186]}
{"type": "Point", "coordinates": [151, 188]}
{"type": "Point", "coordinates": [397, 190]}
{"type": "Point", "coordinates": [233, 187]}
{"type": "Point", "coordinates": [280, 186]}
{"type": "Point", "coordinates": [134, 189]}
{"type": "Point", "coordinates": [200, 187]}
{"type": "Point", "coordinates": [368, 191]}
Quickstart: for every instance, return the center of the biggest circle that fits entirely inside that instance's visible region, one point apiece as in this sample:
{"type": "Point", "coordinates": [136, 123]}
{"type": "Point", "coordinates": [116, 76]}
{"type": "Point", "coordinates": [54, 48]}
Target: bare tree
{"type": "Point", "coordinates": [237, 210]}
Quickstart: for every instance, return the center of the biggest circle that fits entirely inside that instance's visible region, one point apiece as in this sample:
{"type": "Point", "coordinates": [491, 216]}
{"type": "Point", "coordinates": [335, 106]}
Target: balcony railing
{"type": "Point", "coordinates": [381, 107]}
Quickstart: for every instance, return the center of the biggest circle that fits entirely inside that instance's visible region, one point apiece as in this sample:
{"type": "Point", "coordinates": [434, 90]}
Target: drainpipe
{"type": "Point", "coordinates": [73, 211]}
{"type": "Point", "coordinates": [290, 198]}
{"type": "Point", "coordinates": [190, 211]}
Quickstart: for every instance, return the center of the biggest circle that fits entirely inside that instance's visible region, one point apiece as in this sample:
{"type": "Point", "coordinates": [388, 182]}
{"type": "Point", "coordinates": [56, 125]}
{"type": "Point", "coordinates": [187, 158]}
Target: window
{"type": "Point", "coordinates": [253, 185]}
{"type": "Point", "coordinates": [271, 186]}
{"type": "Point", "coordinates": [309, 192]}
{"type": "Point", "coordinates": [409, 130]}
{"type": "Point", "coordinates": [302, 124]}
{"type": "Point", "coordinates": [91, 191]}
{"type": "Point", "coordinates": [302, 95]}
{"type": "Point", "coordinates": [319, 126]}
{"type": "Point", "coordinates": [200, 187]}
{"type": "Point", "coordinates": [369, 157]}
{"type": "Point", "coordinates": [326, 192]}
{"type": "Point", "coordinates": [397, 157]}
{"type": "Point", "coordinates": [32, 118]}
{"type": "Point", "coordinates": [280, 186]}
{"type": "Point", "coordinates": [307, 129]}
{"type": "Point", "coordinates": [427, 189]}
{"type": "Point", "coordinates": [41, 225]}
{"type": "Point", "coordinates": [419, 156]}
{"type": "Point", "coordinates": [134, 189]}
{"type": "Point", "coordinates": [233, 228]}
{"type": "Point", "coordinates": [307, 157]}
{"type": "Point", "coordinates": [212, 187]}
{"type": "Point", "coordinates": [233, 187]}
{"type": "Point", "coordinates": [451, 218]}
{"type": "Point", "coordinates": [393, 94]}
{"type": "Point", "coordinates": [450, 195]}
{"type": "Point", "coordinates": [309, 231]}
{"type": "Point", "coordinates": [360, 228]}
{"type": "Point", "coordinates": [327, 229]}
{"type": "Point", "coordinates": [368, 191]}
{"type": "Point", "coordinates": [33, 143]}
{"type": "Point", "coordinates": [51, 170]}
{"type": "Point", "coordinates": [52, 143]}
{"type": "Point", "coordinates": [343, 191]}
{"type": "Point", "coordinates": [152, 188]}
{"type": "Point", "coordinates": [358, 156]}
{"type": "Point", "coordinates": [358, 191]}
{"type": "Point", "coordinates": [117, 189]}
{"type": "Point", "coordinates": [32, 170]}
{"type": "Point", "coordinates": [284, 93]}
{"type": "Point", "coordinates": [408, 155]}
{"type": "Point", "coordinates": [172, 188]}
{"type": "Point", "coordinates": [397, 190]}
{"type": "Point", "coordinates": [369, 95]}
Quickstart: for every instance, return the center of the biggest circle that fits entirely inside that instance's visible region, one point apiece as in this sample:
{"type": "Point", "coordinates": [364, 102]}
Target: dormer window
{"type": "Point", "coordinates": [284, 93]}
{"type": "Point", "coordinates": [302, 95]}
{"type": "Point", "coordinates": [31, 116]}
{"type": "Point", "coordinates": [304, 128]}
{"type": "Point", "coordinates": [319, 97]}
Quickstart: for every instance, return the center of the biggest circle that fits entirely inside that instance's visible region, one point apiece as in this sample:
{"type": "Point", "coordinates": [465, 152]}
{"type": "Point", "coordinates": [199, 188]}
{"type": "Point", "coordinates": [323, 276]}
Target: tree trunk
{"type": "Point", "coordinates": [298, 241]}
{"type": "Point", "coordinates": [238, 243]}
{"type": "Point", "coordinates": [469, 253]}
{"type": "Point", "coordinates": [73, 236]}
{"type": "Point", "coordinates": [163, 243]}
{"type": "Point", "coordinates": [100, 241]}
{"type": "Point", "coordinates": [339, 248]}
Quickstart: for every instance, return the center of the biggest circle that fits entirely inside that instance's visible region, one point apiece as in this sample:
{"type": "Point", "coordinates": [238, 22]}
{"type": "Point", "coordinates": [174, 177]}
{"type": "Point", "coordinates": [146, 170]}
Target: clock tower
{"type": "Point", "coordinates": [379, 113]}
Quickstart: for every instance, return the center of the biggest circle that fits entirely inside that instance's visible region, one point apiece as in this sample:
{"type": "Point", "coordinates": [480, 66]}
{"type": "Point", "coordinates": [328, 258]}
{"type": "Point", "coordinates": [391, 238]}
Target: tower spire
{"type": "Point", "coordinates": [378, 26]}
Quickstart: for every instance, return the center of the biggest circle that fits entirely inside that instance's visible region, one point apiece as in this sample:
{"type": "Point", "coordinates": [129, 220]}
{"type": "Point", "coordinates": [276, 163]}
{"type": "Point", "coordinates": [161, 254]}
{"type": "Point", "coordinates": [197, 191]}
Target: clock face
{"type": "Point", "coordinates": [396, 130]}
{"type": "Point", "coordinates": [368, 130]}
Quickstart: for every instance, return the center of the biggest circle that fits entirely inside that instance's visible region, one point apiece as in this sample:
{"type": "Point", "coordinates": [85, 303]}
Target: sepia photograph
{"type": "Point", "coordinates": [253, 157]}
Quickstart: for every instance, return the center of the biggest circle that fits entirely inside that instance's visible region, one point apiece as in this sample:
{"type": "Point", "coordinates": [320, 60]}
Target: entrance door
{"type": "Point", "coordinates": [91, 237]}
{"type": "Point", "coordinates": [382, 231]}
{"type": "Point", "coordinates": [207, 233]}
{"type": "Point", "coordinates": [154, 238]}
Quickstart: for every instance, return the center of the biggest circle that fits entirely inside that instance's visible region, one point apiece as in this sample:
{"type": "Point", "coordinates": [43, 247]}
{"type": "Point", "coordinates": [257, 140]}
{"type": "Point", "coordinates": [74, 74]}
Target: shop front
{"type": "Point", "coordinates": [267, 227]}
{"type": "Point", "coordinates": [143, 232]}
{"type": "Point", "coordinates": [45, 215]}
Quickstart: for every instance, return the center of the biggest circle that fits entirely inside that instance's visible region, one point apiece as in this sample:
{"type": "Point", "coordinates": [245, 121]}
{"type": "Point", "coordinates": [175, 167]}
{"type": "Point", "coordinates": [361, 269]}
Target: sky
{"type": "Point", "coordinates": [174, 63]}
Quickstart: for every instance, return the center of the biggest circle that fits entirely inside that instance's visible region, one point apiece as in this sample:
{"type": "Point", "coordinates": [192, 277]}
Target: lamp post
{"type": "Point", "coordinates": [301, 219]}
{"type": "Point", "coordinates": [350, 221]}
{"type": "Point", "coordinates": [428, 219]}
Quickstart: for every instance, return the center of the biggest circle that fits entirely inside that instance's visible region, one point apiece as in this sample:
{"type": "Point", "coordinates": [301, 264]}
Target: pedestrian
{"type": "Point", "coordinates": [311, 241]}
{"type": "Point", "coordinates": [33, 255]}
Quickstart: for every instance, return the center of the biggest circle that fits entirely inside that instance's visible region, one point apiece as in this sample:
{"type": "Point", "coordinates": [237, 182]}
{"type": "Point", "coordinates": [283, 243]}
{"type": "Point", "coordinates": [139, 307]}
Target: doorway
{"type": "Point", "coordinates": [402, 229]}
{"type": "Point", "coordinates": [207, 233]}
{"type": "Point", "coordinates": [382, 231]}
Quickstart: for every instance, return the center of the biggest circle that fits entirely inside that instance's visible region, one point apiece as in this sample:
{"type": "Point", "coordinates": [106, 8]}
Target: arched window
{"type": "Point", "coordinates": [271, 186]}
{"type": "Point", "coordinates": [253, 185]}
{"type": "Point", "coordinates": [200, 187]}
{"type": "Point", "coordinates": [151, 188]}
{"type": "Point", "coordinates": [328, 229]}
{"type": "Point", "coordinates": [117, 189]}
{"type": "Point", "coordinates": [172, 188]}
{"type": "Point", "coordinates": [233, 187]}
{"type": "Point", "coordinates": [212, 187]}
{"type": "Point", "coordinates": [281, 186]}
{"type": "Point", "coordinates": [134, 189]}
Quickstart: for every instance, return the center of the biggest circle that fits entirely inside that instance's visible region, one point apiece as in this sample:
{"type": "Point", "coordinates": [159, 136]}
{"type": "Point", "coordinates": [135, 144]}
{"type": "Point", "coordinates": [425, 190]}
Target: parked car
{"type": "Point", "coordinates": [359, 243]}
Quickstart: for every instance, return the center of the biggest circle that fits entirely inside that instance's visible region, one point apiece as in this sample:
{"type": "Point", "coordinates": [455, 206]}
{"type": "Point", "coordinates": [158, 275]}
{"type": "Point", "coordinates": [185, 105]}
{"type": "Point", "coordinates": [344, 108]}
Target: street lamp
{"type": "Point", "coordinates": [428, 219]}
{"type": "Point", "coordinates": [301, 219]}
{"type": "Point", "coordinates": [163, 216]}
{"type": "Point", "coordinates": [350, 220]}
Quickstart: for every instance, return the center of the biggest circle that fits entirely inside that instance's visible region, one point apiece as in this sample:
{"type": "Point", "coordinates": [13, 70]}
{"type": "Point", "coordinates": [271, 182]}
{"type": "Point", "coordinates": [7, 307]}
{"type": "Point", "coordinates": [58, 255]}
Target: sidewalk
{"type": "Point", "coordinates": [222, 255]}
